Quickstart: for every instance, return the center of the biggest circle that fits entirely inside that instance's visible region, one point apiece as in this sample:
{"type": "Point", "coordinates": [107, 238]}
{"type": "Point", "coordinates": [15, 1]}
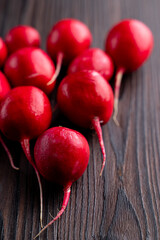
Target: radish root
{"type": "Point", "coordinates": [67, 192]}
{"type": "Point", "coordinates": [58, 68]}
{"type": "Point", "coordinates": [9, 154]}
{"type": "Point", "coordinates": [26, 148]}
{"type": "Point", "coordinates": [97, 127]}
{"type": "Point", "coordinates": [118, 80]}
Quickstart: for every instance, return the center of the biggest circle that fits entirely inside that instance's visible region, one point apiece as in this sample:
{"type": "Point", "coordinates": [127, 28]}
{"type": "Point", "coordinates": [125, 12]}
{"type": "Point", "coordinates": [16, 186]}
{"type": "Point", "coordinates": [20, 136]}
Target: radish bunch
{"type": "Point", "coordinates": [84, 96]}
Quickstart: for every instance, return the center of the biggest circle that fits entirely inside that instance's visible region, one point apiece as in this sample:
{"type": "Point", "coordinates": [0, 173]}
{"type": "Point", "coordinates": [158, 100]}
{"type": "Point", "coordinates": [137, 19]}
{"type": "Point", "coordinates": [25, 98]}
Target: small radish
{"type": "Point", "coordinates": [86, 98]}
{"type": "Point", "coordinates": [4, 89]}
{"type": "Point", "coordinates": [129, 43]}
{"type": "Point", "coordinates": [24, 114]}
{"type": "Point", "coordinates": [22, 36]}
{"type": "Point", "coordinates": [61, 156]}
{"type": "Point", "coordinates": [30, 66]}
{"type": "Point", "coordinates": [93, 59]}
{"type": "Point", "coordinates": [66, 40]}
{"type": "Point", "coordinates": [3, 52]}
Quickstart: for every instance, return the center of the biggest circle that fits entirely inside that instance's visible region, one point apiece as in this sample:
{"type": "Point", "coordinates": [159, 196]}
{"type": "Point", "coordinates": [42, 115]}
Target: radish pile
{"type": "Point", "coordinates": [85, 97]}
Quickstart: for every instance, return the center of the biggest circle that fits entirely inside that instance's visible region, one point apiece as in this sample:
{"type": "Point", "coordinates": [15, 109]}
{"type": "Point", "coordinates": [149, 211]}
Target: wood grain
{"type": "Point", "coordinates": [124, 203]}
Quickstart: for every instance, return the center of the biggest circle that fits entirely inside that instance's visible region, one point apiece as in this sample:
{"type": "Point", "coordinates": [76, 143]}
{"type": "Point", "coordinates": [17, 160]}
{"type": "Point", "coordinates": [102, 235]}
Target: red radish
{"type": "Point", "coordinates": [86, 99]}
{"type": "Point", "coordinates": [129, 43]}
{"type": "Point", "coordinates": [4, 89]}
{"type": "Point", "coordinates": [61, 156]}
{"type": "Point", "coordinates": [66, 40]}
{"type": "Point", "coordinates": [22, 36]}
{"type": "Point", "coordinates": [93, 59]}
{"type": "Point", "coordinates": [30, 66]}
{"type": "Point", "coordinates": [3, 52]}
{"type": "Point", "coordinates": [24, 114]}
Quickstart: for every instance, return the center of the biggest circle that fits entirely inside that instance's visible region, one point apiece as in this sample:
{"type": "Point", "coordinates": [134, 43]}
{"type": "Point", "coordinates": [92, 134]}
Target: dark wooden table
{"type": "Point", "coordinates": [124, 203]}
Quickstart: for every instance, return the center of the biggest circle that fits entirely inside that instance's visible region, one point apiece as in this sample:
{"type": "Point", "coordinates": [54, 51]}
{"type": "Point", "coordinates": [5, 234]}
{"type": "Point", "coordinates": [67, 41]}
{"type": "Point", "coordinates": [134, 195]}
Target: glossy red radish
{"type": "Point", "coordinates": [66, 40]}
{"type": "Point", "coordinates": [3, 52]}
{"type": "Point", "coordinates": [25, 113]}
{"type": "Point", "coordinates": [4, 89]}
{"type": "Point", "coordinates": [86, 98]}
{"type": "Point", "coordinates": [22, 36]}
{"type": "Point", "coordinates": [129, 43]}
{"type": "Point", "coordinates": [61, 156]}
{"type": "Point", "coordinates": [30, 66]}
{"type": "Point", "coordinates": [93, 59]}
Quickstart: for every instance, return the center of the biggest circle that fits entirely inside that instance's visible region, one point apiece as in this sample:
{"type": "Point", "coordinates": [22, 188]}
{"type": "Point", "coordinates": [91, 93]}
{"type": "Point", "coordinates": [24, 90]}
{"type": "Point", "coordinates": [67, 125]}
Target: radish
{"type": "Point", "coordinates": [22, 36]}
{"type": "Point", "coordinates": [61, 156]}
{"type": "Point", "coordinates": [24, 114]}
{"type": "Point", "coordinates": [86, 98]}
{"type": "Point", "coordinates": [3, 52]}
{"type": "Point", "coordinates": [4, 89]}
{"type": "Point", "coordinates": [129, 43]}
{"type": "Point", "coordinates": [93, 59]}
{"type": "Point", "coordinates": [30, 66]}
{"type": "Point", "coordinates": [66, 40]}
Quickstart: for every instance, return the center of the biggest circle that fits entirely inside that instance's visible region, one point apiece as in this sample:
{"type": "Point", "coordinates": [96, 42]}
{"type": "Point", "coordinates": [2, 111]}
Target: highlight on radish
{"type": "Point", "coordinates": [66, 40]}
{"type": "Point", "coordinates": [93, 59]}
{"type": "Point", "coordinates": [129, 43]}
{"type": "Point", "coordinates": [22, 36]}
{"type": "Point", "coordinates": [86, 98]}
{"type": "Point", "coordinates": [61, 156]}
{"type": "Point", "coordinates": [25, 113]}
{"type": "Point", "coordinates": [30, 66]}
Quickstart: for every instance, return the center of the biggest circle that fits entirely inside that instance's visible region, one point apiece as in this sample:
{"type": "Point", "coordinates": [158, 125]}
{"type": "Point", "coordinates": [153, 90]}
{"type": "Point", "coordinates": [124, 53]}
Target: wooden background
{"type": "Point", "coordinates": [124, 203]}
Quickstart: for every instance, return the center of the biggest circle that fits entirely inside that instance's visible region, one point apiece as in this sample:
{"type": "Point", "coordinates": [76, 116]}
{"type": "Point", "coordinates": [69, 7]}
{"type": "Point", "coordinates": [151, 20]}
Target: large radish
{"type": "Point", "coordinates": [129, 43]}
{"type": "Point", "coordinates": [61, 156]}
{"type": "Point", "coordinates": [86, 98]}
{"type": "Point", "coordinates": [25, 113]}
